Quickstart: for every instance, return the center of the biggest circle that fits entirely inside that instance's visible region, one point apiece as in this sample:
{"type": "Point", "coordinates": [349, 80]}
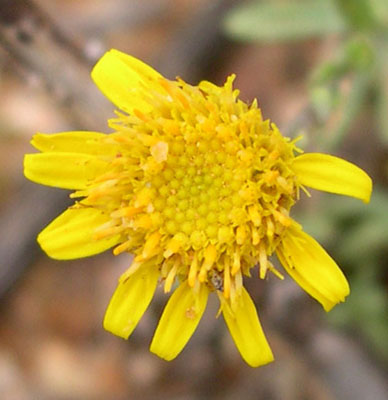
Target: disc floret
{"type": "Point", "coordinates": [202, 185]}
{"type": "Point", "coordinates": [199, 187]}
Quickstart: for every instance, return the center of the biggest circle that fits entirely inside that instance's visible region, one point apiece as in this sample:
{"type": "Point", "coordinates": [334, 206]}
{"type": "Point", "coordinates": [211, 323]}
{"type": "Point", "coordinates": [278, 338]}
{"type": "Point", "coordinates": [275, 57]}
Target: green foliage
{"type": "Point", "coordinates": [358, 13]}
{"type": "Point", "coordinates": [269, 21]}
{"type": "Point", "coordinates": [357, 235]}
{"type": "Point", "coordinates": [380, 8]}
{"type": "Point", "coordinates": [361, 59]}
{"type": "Point", "coordinates": [354, 79]}
{"type": "Point", "coordinates": [381, 87]}
{"type": "Point", "coordinates": [366, 308]}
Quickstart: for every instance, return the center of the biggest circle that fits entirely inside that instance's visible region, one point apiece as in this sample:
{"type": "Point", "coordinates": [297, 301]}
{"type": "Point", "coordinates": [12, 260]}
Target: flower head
{"type": "Point", "coordinates": [199, 188]}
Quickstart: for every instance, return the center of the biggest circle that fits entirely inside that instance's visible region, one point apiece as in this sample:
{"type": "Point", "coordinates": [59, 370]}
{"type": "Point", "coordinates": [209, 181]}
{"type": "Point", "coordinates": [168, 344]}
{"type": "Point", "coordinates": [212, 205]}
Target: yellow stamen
{"type": "Point", "coordinates": [144, 197]}
{"type": "Point", "coordinates": [254, 215]}
{"type": "Point", "coordinates": [140, 115]}
{"type": "Point", "coordinates": [126, 212]}
{"type": "Point", "coordinates": [122, 247]}
{"type": "Point", "coordinates": [255, 236]}
{"type": "Point", "coordinates": [170, 278]}
{"type": "Point", "coordinates": [238, 281]}
{"type": "Point", "coordinates": [193, 271]}
{"type": "Point", "coordinates": [283, 219]}
{"type": "Point", "coordinates": [143, 222]}
{"type": "Point", "coordinates": [210, 255]}
{"type": "Point", "coordinates": [151, 245]}
{"type": "Point", "coordinates": [236, 262]}
{"type": "Point", "coordinates": [135, 265]}
{"type": "Point", "coordinates": [174, 244]}
{"type": "Point", "coordinates": [241, 234]}
{"type": "Point", "coordinates": [275, 271]}
{"type": "Point", "coordinates": [263, 261]}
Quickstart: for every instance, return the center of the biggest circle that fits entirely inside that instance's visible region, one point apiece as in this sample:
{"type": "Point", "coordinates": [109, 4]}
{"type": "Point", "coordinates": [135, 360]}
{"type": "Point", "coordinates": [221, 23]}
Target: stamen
{"type": "Point", "coordinates": [122, 247]}
{"type": "Point", "coordinates": [210, 255]}
{"type": "Point", "coordinates": [140, 115]}
{"type": "Point", "coordinates": [135, 265]}
{"type": "Point", "coordinates": [238, 281]}
{"type": "Point", "coordinates": [143, 198]}
{"type": "Point", "coordinates": [193, 271]}
{"type": "Point", "coordinates": [254, 215]}
{"type": "Point", "coordinates": [236, 262]}
{"type": "Point", "coordinates": [170, 278]}
{"type": "Point", "coordinates": [263, 261]}
{"type": "Point", "coordinates": [275, 271]}
{"type": "Point", "coordinates": [270, 228]}
{"type": "Point", "coordinates": [151, 245]}
{"type": "Point", "coordinates": [255, 236]}
{"type": "Point", "coordinates": [283, 219]}
{"type": "Point", "coordinates": [241, 234]}
{"type": "Point", "coordinates": [142, 222]}
{"type": "Point", "coordinates": [174, 245]}
{"type": "Point", "coordinates": [126, 212]}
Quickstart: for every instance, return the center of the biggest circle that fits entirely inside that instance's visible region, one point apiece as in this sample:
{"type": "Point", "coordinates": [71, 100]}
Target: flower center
{"type": "Point", "coordinates": [197, 189]}
{"type": "Point", "coordinates": [203, 181]}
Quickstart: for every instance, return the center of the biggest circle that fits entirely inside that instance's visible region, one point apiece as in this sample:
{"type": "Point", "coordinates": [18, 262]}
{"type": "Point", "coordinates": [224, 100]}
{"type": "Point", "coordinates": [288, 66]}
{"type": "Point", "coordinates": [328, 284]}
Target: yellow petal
{"type": "Point", "coordinates": [247, 333]}
{"type": "Point", "coordinates": [332, 174]}
{"type": "Point", "coordinates": [71, 235]}
{"type": "Point", "coordinates": [64, 170]}
{"type": "Point", "coordinates": [130, 300]}
{"type": "Point", "coordinates": [312, 268]}
{"type": "Point", "coordinates": [84, 142]}
{"type": "Point", "coordinates": [141, 68]}
{"type": "Point", "coordinates": [179, 320]}
{"type": "Point", "coordinates": [124, 80]}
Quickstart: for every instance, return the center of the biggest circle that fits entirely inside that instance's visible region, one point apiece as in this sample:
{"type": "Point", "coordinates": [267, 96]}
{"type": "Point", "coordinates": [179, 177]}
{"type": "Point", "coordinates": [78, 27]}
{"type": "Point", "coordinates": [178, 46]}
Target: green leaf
{"type": "Point", "coordinates": [380, 8]}
{"type": "Point", "coordinates": [284, 21]}
{"type": "Point", "coordinates": [382, 107]}
{"type": "Point", "coordinates": [364, 240]}
{"type": "Point", "coordinates": [365, 310]}
{"type": "Point", "coordinates": [358, 13]}
{"type": "Point", "coordinates": [352, 103]}
{"type": "Point", "coordinates": [341, 209]}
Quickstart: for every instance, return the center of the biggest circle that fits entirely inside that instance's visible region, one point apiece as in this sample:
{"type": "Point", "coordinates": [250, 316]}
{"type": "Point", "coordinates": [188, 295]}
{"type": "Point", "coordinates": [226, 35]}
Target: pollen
{"type": "Point", "coordinates": [199, 188]}
{"type": "Point", "coordinates": [207, 185]}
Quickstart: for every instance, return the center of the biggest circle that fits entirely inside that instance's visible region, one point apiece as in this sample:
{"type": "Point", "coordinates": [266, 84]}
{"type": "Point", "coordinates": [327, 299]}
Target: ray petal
{"type": "Point", "coordinates": [130, 300]}
{"type": "Point", "coordinates": [63, 170]}
{"type": "Point", "coordinates": [179, 320]}
{"type": "Point", "coordinates": [124, 80]}
{"type": "Point", "coordinates": [332, 174]}
{"type": "Point", "coordinates": [312, 268]}
{"type": "Point", "coordinates": [247, 333]}
{"type": "Point", "coordinates": [71, 235]}
{"type": "Point", "coordinates": [84, 142]}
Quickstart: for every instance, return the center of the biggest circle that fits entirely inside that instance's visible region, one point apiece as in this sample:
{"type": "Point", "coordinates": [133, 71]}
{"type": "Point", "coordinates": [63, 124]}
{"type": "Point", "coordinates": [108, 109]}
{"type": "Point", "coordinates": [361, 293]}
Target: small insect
{"type": "Point", "coordinates": [217, 280]}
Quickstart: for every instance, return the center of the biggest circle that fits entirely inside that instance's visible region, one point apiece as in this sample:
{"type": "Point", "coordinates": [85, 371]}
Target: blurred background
{"type": "Point", "coordinates": [319, 69]}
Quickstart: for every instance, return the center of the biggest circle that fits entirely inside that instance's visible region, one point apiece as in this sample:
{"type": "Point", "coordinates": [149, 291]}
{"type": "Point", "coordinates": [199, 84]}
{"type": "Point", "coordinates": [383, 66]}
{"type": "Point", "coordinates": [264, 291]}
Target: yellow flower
{"type": "Point", "coordinates": [198, 187]}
